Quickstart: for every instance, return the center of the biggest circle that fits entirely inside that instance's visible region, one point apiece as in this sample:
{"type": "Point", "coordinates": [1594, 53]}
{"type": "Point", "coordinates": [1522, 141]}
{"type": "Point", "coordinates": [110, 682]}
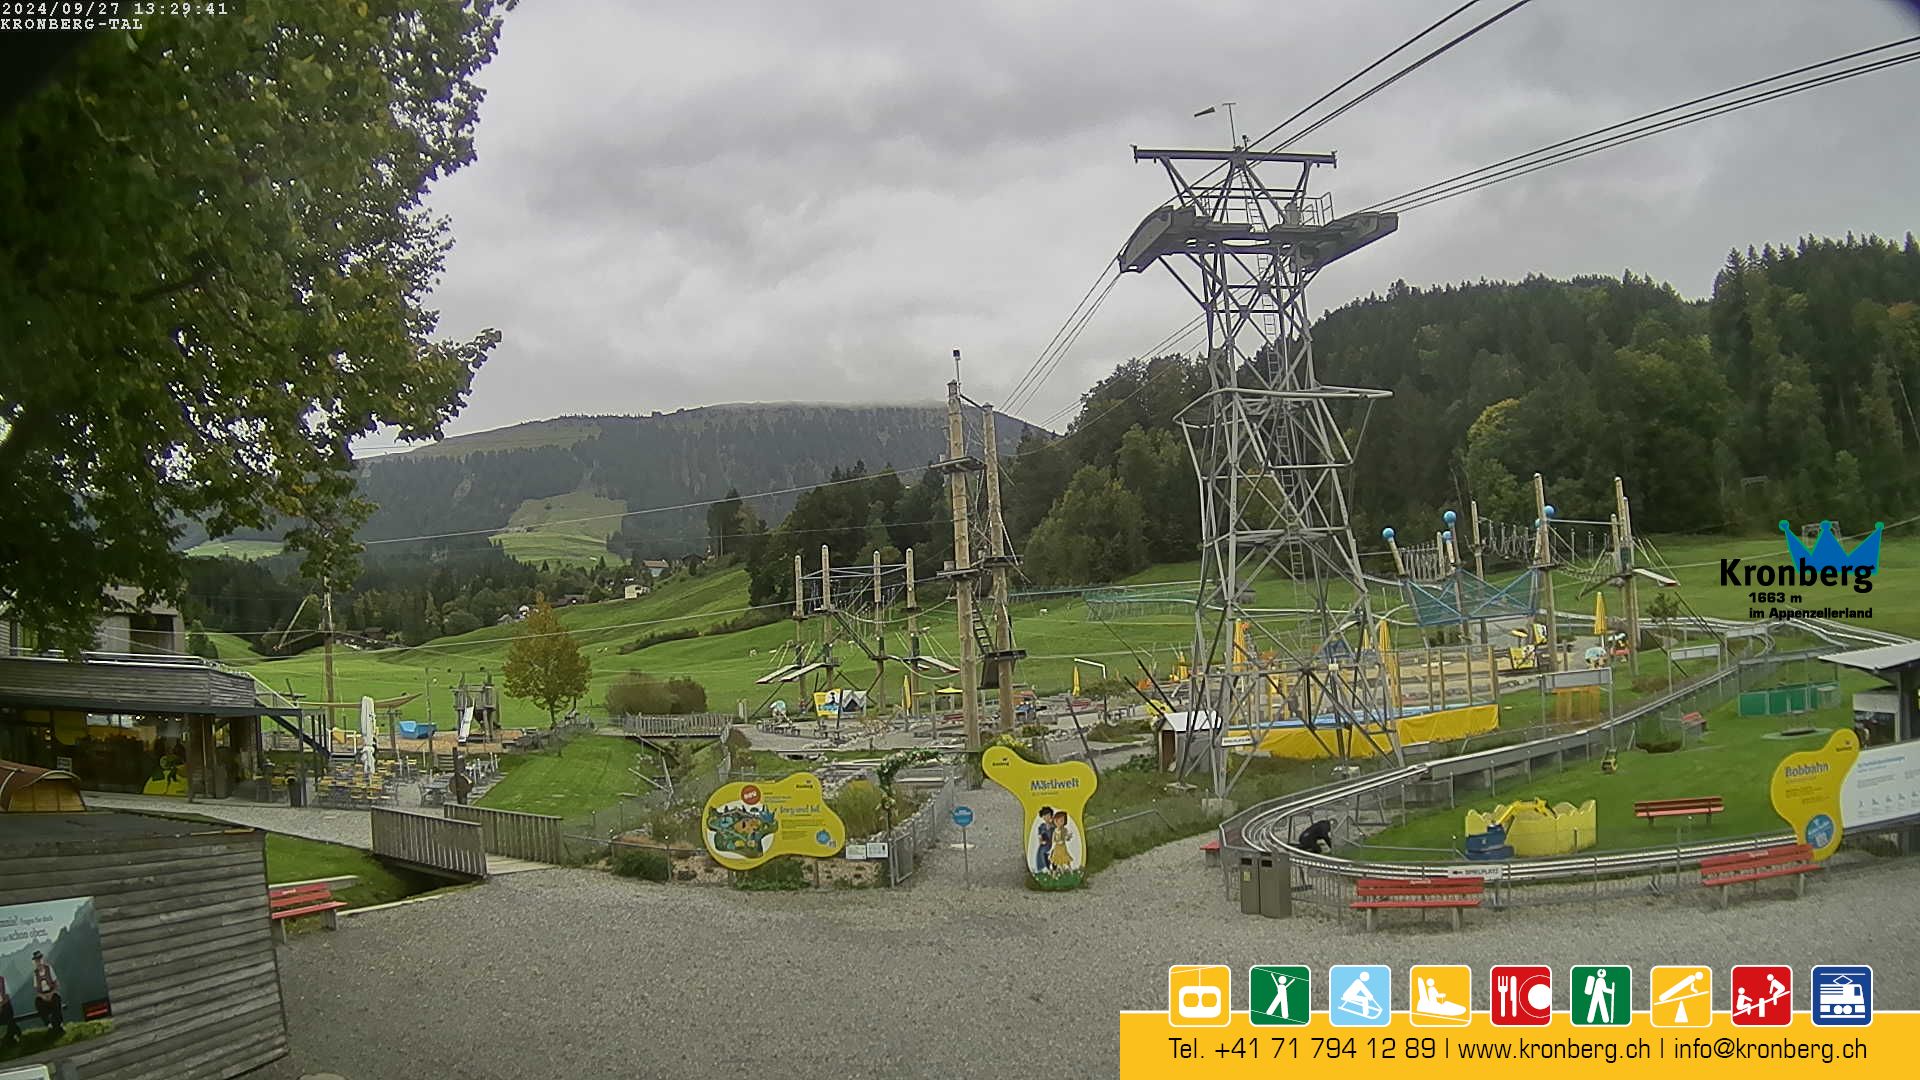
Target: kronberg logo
{"type": "Point", "coordinates": [1774, 586]}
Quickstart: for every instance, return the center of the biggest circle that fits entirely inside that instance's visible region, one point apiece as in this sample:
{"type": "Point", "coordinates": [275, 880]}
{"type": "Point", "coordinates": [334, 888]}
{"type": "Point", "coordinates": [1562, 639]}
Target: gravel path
{"type": "Point", "coordinates": [582, 974]}
{"type": "Point", "coordinates": [335, 826]}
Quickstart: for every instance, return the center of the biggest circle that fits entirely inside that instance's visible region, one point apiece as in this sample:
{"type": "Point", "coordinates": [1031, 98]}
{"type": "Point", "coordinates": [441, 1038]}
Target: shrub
{"type": "Point", "coordinates": [780, 875]}
{"type": "Point", "coordinates": [670, 826]}
{"type": "Point", "coordinates": [640, 863]}
{"type": "Point", "coordinates": [859, 804]}
{"type": "Point", "coordinates": [637, 693]}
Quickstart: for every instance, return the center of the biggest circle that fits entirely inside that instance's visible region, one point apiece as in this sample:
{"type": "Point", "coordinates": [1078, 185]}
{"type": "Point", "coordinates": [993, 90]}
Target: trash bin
{"type": "Point", "coordinates": [1275, 872]}
{"type": "Point", "coordinates": [296, 792]}
{"type": "Point", "coordinates": [1249, 887]}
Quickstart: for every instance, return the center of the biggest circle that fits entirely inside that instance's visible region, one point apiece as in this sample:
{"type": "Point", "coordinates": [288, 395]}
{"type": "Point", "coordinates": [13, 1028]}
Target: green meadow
{"type": "Point", "coordinates": [1053, 630]}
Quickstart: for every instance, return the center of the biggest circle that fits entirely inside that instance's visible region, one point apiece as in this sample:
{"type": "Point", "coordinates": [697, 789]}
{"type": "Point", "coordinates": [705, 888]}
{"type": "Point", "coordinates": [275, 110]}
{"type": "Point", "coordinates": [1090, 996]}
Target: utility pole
{"type": "Point", "coordinates": [963, 573]}
{"type": "Point", "coordinates": [1543, 562]}
{"type": "Point", "coordinates": [879, 646]}
{"type": "Point", "coordinates": [327, 658]}
{"type": "Point", "coordinates": [1624, 565]}
{"type": "Point", "coordinates": [999, 560]}
{"type": "Point", "coordinates": [913, 639]}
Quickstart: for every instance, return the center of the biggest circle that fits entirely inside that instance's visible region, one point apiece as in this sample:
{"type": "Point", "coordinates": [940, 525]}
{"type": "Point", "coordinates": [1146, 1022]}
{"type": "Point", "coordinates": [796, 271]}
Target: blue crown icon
{"type": "Point", "coordinates": [1827, 552]}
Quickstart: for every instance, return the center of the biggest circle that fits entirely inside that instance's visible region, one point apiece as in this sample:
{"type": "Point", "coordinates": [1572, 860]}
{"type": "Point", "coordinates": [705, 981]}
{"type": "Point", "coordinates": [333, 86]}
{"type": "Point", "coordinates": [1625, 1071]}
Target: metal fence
{"type": "Point", "coordinates": [907, 840]}
{"type": "Point", "coordinates": [513, 834]}
{"type": "Point", "coordinates": [1329, 879]}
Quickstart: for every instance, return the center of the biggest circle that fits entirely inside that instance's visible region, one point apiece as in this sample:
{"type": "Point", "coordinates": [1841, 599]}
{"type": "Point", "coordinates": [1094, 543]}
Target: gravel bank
{"type": "Point", "coordinates": [573, 973]}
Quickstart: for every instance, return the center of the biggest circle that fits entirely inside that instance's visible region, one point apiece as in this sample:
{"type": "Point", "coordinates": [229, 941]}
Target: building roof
{"type": "Point", "coordinates": [1879, 658]}
{"type": "Point", "coordinates": [1186, 721]}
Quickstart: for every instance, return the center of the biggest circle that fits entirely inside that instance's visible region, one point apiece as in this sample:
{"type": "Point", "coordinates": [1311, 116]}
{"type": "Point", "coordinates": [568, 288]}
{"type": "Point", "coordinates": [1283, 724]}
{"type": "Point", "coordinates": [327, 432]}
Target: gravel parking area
{"type": "Point", "coordinates": [585, 974]}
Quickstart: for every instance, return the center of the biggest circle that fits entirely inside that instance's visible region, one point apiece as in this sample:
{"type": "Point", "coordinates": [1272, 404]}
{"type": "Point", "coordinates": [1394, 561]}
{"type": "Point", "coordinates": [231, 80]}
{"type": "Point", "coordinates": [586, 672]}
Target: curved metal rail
{"type": "Point", "coordinates": [1262, 828]}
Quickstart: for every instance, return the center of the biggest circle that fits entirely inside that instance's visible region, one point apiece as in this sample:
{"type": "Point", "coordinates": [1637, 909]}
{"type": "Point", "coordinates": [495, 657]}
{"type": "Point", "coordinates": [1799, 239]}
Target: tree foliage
{"type": "Point", "coordinates": [638, 694]}
{"type": "Point", "coordinates": [545, 665]}
{"type": "Point", "coordinates": [214, 261]}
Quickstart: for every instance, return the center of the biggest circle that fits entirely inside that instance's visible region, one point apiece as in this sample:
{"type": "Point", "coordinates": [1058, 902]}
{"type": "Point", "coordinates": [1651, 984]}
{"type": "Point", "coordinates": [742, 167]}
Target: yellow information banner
{"type": "Point", "coordinates": [1053, 803]}
{"type": "Point", "coordinates": [1153, 1048]}
{"type": "Point", "coordinates": [745, 824]}
{"type": "Point", "coordinates": [1806, 791]}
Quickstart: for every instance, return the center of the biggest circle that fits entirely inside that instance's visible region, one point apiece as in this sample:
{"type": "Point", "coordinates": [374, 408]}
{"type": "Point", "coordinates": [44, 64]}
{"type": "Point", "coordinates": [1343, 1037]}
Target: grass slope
{"type": "Point", "coordinates": [294, 858]}
{"type": "Point", "coordinates": [587, 774]}
{"type": "Point", "coordinates": [547, 530]}
{"type": "Point", "coordinates": [237, 549]}
{"type": "Point", "coordinates": [1053, 630]}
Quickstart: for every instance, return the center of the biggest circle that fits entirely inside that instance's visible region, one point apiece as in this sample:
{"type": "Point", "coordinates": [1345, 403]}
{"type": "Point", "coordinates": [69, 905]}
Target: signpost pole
{"type": "Point", "coordinates": [966, 859]}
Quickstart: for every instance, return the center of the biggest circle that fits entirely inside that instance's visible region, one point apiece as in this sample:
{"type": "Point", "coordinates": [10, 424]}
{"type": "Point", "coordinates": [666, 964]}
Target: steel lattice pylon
{"type": "Point", "coordinates": [1269, 453]}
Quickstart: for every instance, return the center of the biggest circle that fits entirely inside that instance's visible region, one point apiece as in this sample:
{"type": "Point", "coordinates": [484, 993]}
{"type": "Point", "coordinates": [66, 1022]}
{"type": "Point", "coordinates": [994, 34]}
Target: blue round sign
{"type": "Point", "coordinates": [1819, 831]}
{"type": "Point", "coordinates": [963, 816]}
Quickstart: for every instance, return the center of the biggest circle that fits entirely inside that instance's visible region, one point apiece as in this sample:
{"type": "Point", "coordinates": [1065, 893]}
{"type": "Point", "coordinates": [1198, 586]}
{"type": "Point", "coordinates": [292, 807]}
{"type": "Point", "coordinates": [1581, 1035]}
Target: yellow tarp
{"type": "Point", "coordinates": [1299, 744]}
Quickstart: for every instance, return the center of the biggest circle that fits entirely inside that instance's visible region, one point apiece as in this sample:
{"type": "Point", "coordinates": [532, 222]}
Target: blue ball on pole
{"type": "Point", "coordinates": [1449, 517]}
{"type": "Point", "coordinates": [1386, 534]}
{"type": "Point", "coordinates": [1551, 511]}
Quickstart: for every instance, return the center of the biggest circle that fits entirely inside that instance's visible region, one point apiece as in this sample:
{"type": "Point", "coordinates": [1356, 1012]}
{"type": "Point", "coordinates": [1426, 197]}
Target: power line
{"type": "Point", "coordinates": [1403, 72]}
{"type": "Point", "coordinates": [1046, 371]}
{"type": "Point", "coordinates": [1105, 269]}
{"type": "Point", "coordinates": [1631, 130]}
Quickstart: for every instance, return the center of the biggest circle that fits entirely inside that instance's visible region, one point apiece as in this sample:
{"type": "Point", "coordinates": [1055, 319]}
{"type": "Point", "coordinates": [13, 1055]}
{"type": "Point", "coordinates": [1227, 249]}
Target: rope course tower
{"type": "Point", "coordinates": [1270, 455]}
{"type": "Point", "coordinates": [982, 560]}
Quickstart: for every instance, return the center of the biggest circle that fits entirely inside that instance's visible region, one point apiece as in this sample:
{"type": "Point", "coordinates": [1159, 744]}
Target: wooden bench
{"type": "Point", "coordinates": [1705, 806]}
{"type": "Point", "coordinates": [1211, 851]}
{"type": "Point", "coordinates": [1790, 860]}
{"type": "Point", "coordinates": [1453, 894]}
{"type": "Point", "coordinates": [294, 901]}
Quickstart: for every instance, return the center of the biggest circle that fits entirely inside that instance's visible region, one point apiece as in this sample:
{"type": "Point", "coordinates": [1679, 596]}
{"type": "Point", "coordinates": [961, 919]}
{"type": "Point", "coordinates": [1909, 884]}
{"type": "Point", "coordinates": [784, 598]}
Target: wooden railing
{"type": "Point", "coordinates": [513, 834]}
{"type": "Point", "coordinates": [436, 843]}
{"type": "Point", "coordinates": [690, 724]}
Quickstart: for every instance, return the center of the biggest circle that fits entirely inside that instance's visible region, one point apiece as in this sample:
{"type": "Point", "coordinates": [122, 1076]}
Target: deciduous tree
{"type": "Point", "coordinates": [545, 665]}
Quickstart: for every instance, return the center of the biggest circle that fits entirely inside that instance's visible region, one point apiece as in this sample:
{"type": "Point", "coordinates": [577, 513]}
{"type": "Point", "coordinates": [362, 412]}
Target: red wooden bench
{"type": "Point", "coordinates": [1452, 894]}
{"type": "Point", "coordinates": [294, 901]}
{"type": "Point", "coordinates": [1705, 806]}
{"type": "Point", "coordinates": [1211, 851]}
{"type": "Point", "coordinates": [1790, 860]}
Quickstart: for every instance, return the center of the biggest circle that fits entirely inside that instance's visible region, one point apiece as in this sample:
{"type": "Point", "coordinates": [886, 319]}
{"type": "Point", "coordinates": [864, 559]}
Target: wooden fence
{"type": "Point", "coordinates": [435, 843]}
{"type": "Point", "coordinates": [691, 725]}
{"type": "Point", "coordinates": [513, 834]}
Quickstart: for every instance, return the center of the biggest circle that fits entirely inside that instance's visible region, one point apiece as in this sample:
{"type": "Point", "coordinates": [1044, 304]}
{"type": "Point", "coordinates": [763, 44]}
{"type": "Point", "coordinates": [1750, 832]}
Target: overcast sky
{"type": "Point", "coordinates": [685, 204]}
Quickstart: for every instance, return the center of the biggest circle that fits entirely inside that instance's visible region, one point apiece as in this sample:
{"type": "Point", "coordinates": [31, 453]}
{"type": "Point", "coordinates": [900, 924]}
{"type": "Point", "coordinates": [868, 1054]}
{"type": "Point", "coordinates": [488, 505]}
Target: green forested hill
{"type": "Point", "coordinates": [1789, 393]}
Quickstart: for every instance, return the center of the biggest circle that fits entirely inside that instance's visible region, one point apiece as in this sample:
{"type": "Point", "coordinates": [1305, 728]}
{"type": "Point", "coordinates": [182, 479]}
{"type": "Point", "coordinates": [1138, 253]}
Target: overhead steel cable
{"type": "Point", "coordinates": [1630, 130]}
{"type": "Point", "coordinates": [1105, 270]}
{"type": "Point", "coordinates": [1401, 74]}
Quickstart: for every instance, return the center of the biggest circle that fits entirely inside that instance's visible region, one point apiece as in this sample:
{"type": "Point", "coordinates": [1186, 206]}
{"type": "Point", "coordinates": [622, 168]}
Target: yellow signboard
{"type": "Point", "coordinates": [1053, 803]}
{"type": "Point", "coordinates": [1806, 791]}
{"type": "Point", "coordinates": [744, 825]}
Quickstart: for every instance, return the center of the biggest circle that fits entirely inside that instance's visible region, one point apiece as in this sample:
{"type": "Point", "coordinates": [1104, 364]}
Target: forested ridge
{"type": "Point", "coordinates": [1788, 393]}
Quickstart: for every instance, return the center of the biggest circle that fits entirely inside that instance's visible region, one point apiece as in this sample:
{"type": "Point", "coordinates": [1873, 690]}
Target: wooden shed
{"type": "Point", "coordinates": [175, 925]}
{"type": "Point", "coordinates": [29, 789]}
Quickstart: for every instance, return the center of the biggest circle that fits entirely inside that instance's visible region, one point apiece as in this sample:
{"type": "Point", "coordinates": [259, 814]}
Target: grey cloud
{"type": "Point", "coordinates": [681, 204]}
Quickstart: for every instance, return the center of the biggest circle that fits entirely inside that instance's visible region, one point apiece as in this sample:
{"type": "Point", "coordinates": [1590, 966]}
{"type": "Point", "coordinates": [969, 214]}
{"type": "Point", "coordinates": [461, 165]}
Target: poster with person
{"type": "Point", "coordinates": [1053, 801]}
{"type": "Point", "coordinates": [53, 982]}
